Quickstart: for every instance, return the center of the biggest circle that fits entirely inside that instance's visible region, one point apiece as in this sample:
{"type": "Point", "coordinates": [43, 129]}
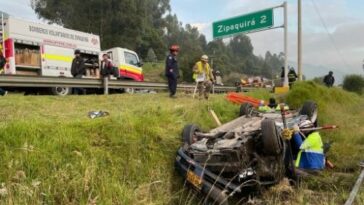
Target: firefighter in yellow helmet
{"type": "Point", "coordinates": [202, 74]}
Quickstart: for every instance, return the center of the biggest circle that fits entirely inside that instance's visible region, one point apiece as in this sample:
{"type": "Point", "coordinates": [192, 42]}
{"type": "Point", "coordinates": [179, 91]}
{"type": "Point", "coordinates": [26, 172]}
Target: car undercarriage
{"type": "Point", "coordinates": [239, 156]}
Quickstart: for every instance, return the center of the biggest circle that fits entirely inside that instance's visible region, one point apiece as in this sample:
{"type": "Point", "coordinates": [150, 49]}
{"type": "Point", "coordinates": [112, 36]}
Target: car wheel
{"type": "Point", "coordinates": [188, 134]}
{"type": "Point", "coordinates": [61, 91]}
{"type": "Point", "coordinates": [309, 108]}
{"type": "Point", "coordinates": [271, 138]}
{"type": "Point", "coordinates": [245, 109]}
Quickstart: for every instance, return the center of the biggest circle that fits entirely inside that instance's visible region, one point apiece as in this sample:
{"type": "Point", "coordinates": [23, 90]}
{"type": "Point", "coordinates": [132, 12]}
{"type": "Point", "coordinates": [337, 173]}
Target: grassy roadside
{"type": "Point", "coordinates": [154, 72]}
{"type": "Point", "coordinates": [52, 153]}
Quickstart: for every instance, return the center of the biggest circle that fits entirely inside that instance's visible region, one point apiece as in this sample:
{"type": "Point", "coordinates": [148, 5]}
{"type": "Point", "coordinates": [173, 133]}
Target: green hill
{"type": "Point", "coordinates": [52, 153]}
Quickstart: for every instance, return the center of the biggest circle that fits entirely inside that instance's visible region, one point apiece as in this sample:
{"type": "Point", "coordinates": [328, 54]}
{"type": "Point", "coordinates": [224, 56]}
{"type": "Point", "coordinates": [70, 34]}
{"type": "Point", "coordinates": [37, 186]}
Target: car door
{"type": "Point", "coordinates": [131, 67]}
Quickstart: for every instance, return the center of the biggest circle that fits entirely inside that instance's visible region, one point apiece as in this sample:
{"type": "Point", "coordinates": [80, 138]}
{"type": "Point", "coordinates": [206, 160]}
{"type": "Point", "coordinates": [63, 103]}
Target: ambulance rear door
{"type": "Point", "coordinates": [56, 61]}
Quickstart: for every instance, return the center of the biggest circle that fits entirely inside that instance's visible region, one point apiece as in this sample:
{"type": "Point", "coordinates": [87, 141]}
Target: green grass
{"type": "Point", "coordinates": [52, 153]}
{"type": "Point", "coordinates": [63, 157]}
{"type": "Point", "coordinates": [154, 72]}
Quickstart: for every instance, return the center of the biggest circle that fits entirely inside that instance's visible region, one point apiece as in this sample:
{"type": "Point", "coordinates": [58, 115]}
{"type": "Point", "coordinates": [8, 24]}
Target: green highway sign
{"type": "Point", "coordinates": [243, 24]}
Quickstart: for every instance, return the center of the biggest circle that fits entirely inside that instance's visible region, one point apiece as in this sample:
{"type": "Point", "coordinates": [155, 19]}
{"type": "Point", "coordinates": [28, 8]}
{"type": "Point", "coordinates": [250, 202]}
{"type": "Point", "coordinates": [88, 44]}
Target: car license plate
{"type": "Point", "coordinates": [194, 179]}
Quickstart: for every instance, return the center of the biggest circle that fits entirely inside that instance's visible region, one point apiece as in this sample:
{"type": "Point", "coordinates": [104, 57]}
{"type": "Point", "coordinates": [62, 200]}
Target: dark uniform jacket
{"type": "Point", "coordinates": [78, 67]}
{"type": "Point", "coordinates": [329, 80]}
{"type": "Point", "coordinates": [292, 76]}
{"type": "Point", "coordinates": [171, 63]}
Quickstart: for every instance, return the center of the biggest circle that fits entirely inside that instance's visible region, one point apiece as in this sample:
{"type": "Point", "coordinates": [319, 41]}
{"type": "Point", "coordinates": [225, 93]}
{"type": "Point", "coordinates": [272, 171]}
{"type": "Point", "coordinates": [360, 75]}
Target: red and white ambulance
{"type": "Point", "coordinates": [37, 49]}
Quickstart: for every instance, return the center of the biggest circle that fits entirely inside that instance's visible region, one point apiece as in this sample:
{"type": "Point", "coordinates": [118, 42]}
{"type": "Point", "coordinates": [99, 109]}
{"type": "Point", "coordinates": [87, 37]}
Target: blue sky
{"type": "Point", "coordinates": [344, 19]}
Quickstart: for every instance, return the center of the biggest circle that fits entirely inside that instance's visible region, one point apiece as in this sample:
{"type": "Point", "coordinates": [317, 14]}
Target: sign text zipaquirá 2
{"type": "Point", "coordinates": [245, 23]}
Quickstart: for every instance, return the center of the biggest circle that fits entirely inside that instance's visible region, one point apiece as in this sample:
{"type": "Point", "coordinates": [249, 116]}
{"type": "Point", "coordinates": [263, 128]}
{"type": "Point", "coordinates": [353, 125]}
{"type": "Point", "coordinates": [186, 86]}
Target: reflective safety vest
{"type": "Point", "coordinates": [278, 108]}
{"type": "Point", "coordinates": [264, 108]}
{"type": "Point", "coordinates": [202, 69]}
{"type": "Point", "coordinates": [291, 76]}
{"type": "Point", "coordinates": [311, 154]}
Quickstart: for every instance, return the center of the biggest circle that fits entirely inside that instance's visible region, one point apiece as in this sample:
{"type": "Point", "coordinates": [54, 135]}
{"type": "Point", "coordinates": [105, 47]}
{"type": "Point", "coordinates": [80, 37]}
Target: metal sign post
{"type": "Point", "coordinates": [299, 39]}
{"type": "Point", "coordinates": [285, 26]}
{"type": "Point", "coordinates": [254, 22]}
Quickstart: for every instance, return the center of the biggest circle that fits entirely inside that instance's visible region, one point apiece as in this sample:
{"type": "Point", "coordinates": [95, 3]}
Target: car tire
{"type": "Point", "coordinates": [309, 108]}
{"type": "Point", "coordinates": [245, 109]}
{"type": "Point", "coordinates": [188, 134]}
{"type": "Point", "coordinates": [271, 138]}
{"type": "Point", "coordinates": [61, 91]}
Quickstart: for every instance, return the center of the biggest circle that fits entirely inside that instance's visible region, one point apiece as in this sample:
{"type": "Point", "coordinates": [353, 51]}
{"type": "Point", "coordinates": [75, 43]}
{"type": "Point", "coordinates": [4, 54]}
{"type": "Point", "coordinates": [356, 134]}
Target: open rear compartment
{"type": "Point", "coordinates": [27, 59]}
{"type": "Point", "coordinates": [91, 65]}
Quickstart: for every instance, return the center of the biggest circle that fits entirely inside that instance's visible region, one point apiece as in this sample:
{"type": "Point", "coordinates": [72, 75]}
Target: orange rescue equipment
{"type": "Point", "coordinates": [240, 99]}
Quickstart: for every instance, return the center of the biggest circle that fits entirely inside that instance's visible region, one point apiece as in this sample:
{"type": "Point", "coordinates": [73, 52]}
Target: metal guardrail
{"type": "Point", "coordinates": [33, 81]}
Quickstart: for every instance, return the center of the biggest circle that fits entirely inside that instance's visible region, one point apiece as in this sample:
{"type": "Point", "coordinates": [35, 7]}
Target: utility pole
{"type": "Point", "coordinates": [285, 84]}
{"type": "Point", "coordinates": [299, 47]}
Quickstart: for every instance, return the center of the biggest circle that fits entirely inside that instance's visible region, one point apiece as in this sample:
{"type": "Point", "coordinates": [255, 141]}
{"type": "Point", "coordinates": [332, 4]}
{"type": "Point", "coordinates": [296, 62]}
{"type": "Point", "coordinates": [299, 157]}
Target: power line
{"type": "Point", "coordinates": [329, 34]}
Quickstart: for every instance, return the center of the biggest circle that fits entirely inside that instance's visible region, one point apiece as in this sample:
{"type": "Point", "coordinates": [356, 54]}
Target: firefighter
{"type": "Point", "coordinates": [310, 149]}
{"type": "Point", "coordinates": [203, 77]}
{"type": "Point", "coordinates": [78, 70]}
{"type": "Point", "coordinates": [78, 65]}
{"type": "Point", "coordinates": [292, 76]}
{"type": "Point", "coordinates": [272, 103]}
{"type": "Point", "coordinates": [329, 79]}
{"type": "Point", "coordinates": [263, 107]}
{"type": "Point", "coordinates": [2, 65]}
{"type": "Point", "coordinates": [171, 70]}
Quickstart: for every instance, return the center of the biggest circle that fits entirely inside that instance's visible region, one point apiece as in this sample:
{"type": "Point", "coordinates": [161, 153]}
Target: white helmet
{"type": "Point", "coordinates": [305, 124]}
{"type": "Point", "coordinates": [205, 58]}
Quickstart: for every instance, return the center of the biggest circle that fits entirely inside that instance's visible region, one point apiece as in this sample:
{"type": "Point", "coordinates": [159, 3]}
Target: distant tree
{"type": "Point", "coordinates": [149, 27]}
{"type": "Point", "coordinates": [151, 57]}
{"type": "Point", "coordinates": [133, 24]}
{"type": "Point", "coordinates": [241, 47]}
{"type": "Point", "coordinates": [354, 83]}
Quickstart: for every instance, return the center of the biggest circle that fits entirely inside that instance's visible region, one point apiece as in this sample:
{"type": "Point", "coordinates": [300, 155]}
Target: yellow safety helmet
{"type": "Point", "coordinates": [204, 58]}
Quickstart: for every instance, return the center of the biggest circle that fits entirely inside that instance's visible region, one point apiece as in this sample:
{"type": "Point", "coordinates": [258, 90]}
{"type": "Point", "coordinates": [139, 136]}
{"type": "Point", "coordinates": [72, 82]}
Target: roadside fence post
{"type": "Point", "coordinates": [106, 85]}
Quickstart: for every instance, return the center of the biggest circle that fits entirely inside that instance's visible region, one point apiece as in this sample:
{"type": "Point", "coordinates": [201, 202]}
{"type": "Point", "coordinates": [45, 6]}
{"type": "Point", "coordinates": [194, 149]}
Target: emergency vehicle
{"type": "Point", "coordinates": [36, 49]}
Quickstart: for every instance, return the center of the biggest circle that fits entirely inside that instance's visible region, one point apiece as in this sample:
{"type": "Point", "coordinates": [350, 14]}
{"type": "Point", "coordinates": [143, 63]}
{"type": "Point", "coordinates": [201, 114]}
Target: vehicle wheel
{"type": "Point", "coordinates": [245, 109]}
{"type": "Point", "coordinates": [271, 138]}
{"type": "Point", "coordinates": [61, 91]}
{"type": "Point", "coordinates": [188, 134]}
{"type": "Point", "coordinates": [309, 108]}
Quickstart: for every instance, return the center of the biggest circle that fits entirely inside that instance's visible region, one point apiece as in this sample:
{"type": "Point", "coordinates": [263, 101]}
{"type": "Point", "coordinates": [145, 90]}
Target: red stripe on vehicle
{"type": "Point", "coordinates": [9, 48]}
{"type": "Point", "coordinates": [132, 75]}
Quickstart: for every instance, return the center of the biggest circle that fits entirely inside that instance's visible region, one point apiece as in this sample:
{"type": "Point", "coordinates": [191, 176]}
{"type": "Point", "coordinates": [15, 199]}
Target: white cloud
{"type": "Point", "coordinates": [202, 27]}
